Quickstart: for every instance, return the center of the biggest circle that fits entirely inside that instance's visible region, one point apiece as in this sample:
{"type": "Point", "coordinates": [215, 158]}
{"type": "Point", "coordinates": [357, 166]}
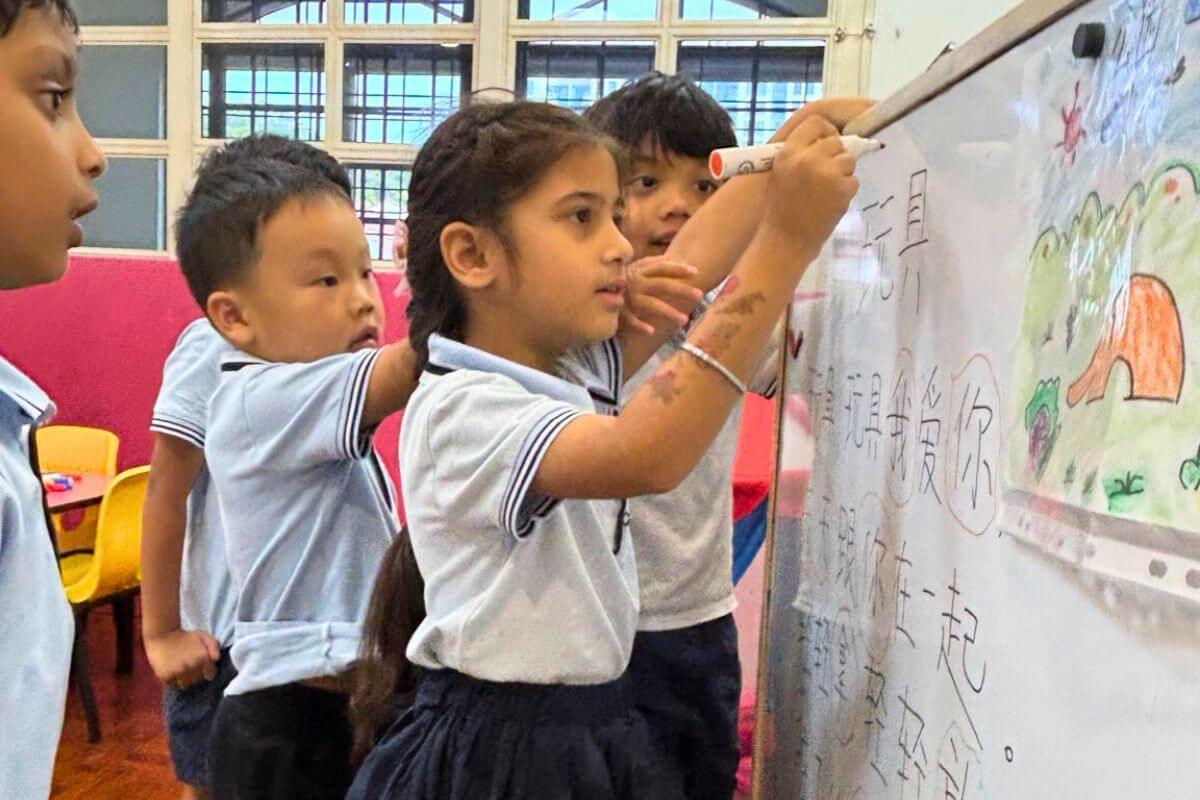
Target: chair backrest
{"type": "Point", "coordinates": [118, 545]}
{"type": "Point", "coordinates": [76, 448]}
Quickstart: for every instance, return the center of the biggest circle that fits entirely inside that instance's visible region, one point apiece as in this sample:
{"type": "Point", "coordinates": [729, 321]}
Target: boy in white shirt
{"type": "Point", "coordinates": [187, 597]}
{"type": "Point", "coordinates": [277, 257]}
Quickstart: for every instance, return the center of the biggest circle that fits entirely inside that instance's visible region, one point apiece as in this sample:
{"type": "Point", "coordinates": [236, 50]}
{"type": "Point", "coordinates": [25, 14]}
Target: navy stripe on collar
{"type": "Point", "coordinates": [234, 366]}
{"type": "Point", "coordinates": [449, 355]}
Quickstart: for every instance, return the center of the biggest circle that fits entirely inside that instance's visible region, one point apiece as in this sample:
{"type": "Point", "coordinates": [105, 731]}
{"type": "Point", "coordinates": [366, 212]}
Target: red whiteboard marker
{"type": "Point", "coordinates": [730, 161]}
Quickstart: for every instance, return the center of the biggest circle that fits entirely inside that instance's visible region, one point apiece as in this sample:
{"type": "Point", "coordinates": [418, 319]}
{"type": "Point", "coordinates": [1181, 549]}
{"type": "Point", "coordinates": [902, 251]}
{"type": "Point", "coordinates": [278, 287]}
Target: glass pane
{"type": "Point", "coordinates": [409, 12]}
{"type": "Point", "coordinates": [758, 83]}
{"type": "Point", "coordinates": [576, 74]}
{"type": "Point", "coordinates": [401, 92]}
{"type": "Point", "coordinates": [121, 12]}
{"type": "Point", "coordinates": [133, 206]}
{"type": "Point", "coordinates": [123, 90]}
{"type": "Point", "coordinates": [267, 12]}
{"type": "Point", "coordinates": [588, 10]}
{"type": "Point", "coordinates": [751, 9]}
{"type": "Point", "coordinates": [380, 198]}
{"type": "Point", "coordinates": [263, 88]}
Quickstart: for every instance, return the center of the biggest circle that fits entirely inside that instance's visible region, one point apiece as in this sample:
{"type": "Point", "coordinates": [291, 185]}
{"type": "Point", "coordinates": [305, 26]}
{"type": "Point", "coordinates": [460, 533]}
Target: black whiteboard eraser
{"type": "Point", "coordinates": [1089, 40]}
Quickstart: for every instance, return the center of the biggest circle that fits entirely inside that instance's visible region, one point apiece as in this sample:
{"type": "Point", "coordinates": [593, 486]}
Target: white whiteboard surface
{"type": "Point", "coordinates": [994, 591]}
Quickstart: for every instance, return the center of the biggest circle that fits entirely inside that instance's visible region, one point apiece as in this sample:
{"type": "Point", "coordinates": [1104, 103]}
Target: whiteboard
{"type": "Point", "coordinates": [990, 585]}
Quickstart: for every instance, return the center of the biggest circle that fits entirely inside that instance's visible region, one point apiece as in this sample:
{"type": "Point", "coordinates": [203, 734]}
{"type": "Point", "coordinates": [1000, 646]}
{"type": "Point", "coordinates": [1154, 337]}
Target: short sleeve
{"type": "Point", "coordinates": [190, 377]}
{"type": "Point", "coordinates": [309, 413]}
{"type": "Point", "coordinates": [598, 368]}
{"type": "Point", "coordinates": [489, 435]}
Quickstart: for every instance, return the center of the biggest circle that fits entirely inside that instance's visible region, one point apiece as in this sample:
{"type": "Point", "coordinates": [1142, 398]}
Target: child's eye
{"type": "Point", "coordinates": [328, 281]}
{"type": "Point", "coordinates": [368, 272]}
{"type": "Point", "coordinates": [645, 182]}
{"type": "Point", "coordinates": [56, 97]}
{"type": "Point", "coordinates": [706, 186]}
{"type": "Point", "coordinates": [583, 216]}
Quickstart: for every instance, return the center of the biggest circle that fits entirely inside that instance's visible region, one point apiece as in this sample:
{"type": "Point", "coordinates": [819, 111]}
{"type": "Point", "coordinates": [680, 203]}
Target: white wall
{"type": "Point", "coordinates": [910, 34]}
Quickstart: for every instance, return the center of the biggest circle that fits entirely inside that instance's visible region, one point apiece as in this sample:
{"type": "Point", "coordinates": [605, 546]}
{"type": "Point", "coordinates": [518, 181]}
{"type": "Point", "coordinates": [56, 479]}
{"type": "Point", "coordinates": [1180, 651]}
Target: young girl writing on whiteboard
{"type": "Point", "coordinates": [518, 467]}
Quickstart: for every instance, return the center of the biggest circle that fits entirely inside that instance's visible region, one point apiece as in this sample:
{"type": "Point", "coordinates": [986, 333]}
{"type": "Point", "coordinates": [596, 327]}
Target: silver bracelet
{"type": "Point", "coordinates": [688, 347]}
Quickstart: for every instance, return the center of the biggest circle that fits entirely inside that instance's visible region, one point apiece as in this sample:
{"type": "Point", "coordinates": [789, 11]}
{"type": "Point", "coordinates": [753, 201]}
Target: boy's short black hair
{"type": "Point", "coordinates": [278, 148]}
{"type": "Point", "coordinates": [670, 111]}
{"type": "Point", "coordinates": [216, 232]}
{"type": "Point", "coordinates": [11, 9]}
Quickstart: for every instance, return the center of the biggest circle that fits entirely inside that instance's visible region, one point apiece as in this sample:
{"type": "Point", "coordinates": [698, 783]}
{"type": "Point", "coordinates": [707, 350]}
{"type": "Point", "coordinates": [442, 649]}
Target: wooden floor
{"type": "Point", "coordinates": [131, 761]}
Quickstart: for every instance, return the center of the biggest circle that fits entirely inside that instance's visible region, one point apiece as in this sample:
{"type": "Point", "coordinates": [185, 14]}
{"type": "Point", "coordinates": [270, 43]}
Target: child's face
{"type": "Point", "coordinates": [566, 286]}
{"type": "Point", "coordinates": [312, 293]}
{"type": "Point", "coordinates": [48, 160]}
{"type": "Point", "coordinates": [665, 191]}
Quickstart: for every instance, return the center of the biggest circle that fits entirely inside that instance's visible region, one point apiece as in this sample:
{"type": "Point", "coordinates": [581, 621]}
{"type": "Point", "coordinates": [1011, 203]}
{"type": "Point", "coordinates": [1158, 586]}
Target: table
{"type": "Point", "coordinates": [89, 490]}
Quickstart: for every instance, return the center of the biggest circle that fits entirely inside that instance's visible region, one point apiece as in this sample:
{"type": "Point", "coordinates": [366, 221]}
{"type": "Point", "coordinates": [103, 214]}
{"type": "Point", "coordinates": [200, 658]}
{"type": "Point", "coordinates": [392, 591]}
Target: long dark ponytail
{"type": "Point", "coordinates": [384, 679]}
{"type": "Point", "coordinates": [475, 164]}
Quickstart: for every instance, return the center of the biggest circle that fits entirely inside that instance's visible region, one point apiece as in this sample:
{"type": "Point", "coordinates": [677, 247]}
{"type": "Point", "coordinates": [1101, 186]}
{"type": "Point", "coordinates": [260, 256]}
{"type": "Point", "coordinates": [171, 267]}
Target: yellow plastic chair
{"type": "Point", "coordinates": [76, 448]}
{"type": "Point", "coordinates": [109, 573]}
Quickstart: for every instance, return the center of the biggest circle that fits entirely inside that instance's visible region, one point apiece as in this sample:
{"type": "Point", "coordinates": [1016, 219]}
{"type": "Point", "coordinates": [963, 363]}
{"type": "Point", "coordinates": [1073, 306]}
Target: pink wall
{"type": "Point", "coordinates": [96, 341]}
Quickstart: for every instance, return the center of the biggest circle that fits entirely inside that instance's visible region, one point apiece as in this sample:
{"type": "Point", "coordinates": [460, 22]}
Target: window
{"type": "Point", "coordinates": [751, 9]}
{"type": "Point", "coordinates": [133, 213]}
{"type": "Point", "coordinates": [380, 198]}
{"type": "Point", "coordinates": [368, 80]}
{"type": "Point", "coordinates": [135, 73]}
{"type": "Point", "coordinates": [266, 12]}
{"type": "Point", "coordinates": [263, 88]}
{"type": "Point", "coordinates": [758, 83]}
{"type": "Point", "coordinates": [121, 12]}
{"type": "Point", "coordinates": [409, 12]}
{"type": "Point", "coordinates": [400, 92]}
{"type": "Point", "coordinates": [577, 74]}
{"type": "Point", "coordinates": [587, 10]}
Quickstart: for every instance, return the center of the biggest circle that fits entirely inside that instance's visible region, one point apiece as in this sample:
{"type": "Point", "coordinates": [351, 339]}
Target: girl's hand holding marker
{"type": "Point", "coordinates": [730, 161]}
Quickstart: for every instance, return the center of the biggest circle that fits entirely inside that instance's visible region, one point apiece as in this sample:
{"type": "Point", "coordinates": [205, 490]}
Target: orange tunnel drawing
{"type": "Point", "coordinates": [1149, 341]}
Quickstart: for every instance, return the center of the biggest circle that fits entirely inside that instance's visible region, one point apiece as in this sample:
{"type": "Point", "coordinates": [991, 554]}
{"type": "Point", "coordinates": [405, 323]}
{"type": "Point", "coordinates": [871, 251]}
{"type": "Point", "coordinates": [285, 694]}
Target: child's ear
{"type": "Point", "coordinates": [227, 316]}
{"type": "Point", "coordinates": [470, 255]}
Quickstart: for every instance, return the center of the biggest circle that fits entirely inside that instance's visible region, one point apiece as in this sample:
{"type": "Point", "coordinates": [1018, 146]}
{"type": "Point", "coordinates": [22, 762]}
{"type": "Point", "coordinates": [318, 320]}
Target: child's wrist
{"type": "Point", "coordinates": [152, 634]}
{"type": "Point", "coordinates": [793, 246]}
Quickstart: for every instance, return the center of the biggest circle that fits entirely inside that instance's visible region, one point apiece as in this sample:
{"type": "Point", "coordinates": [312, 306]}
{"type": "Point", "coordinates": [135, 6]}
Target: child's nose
{"type": "Point", "coordinates": [675, 203]}
{"type": "Point", "coordinates": [363, 300]}
{"type": "Point", "coordinates": [620, 250]}
{"type": "Point", "coordinates": [91, 160]}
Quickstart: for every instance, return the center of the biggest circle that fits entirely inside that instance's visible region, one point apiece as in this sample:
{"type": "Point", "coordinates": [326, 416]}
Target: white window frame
{"type": "Point", "coordinates": [845, 33]}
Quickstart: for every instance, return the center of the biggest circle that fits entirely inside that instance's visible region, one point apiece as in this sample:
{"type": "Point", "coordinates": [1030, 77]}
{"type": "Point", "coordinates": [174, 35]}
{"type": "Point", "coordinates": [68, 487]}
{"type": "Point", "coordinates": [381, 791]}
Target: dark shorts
{"type": "Point", "coordinates": [288, 742]}
{"type": "Point", "coordinates": [687, 683]}
{"type": "Point", "coordinates": [189, 715]}
{"type": "Point", "coordinates": [466, 739]}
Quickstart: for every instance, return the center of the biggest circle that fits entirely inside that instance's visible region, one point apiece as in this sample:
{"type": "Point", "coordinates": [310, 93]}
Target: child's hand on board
{"type": "Point", "coordinates": [658, 291]}
{"type": "Point", "coordinates": [811, 185]}
{"type": "Point", "coordinates": [182, 658]}
{"type": "Point", "coordinates": [838, 110]}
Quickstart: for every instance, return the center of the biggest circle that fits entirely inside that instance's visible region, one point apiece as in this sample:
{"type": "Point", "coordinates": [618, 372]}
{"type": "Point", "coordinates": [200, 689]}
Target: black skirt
{"type": "Point", "coordinates": [466, 739]}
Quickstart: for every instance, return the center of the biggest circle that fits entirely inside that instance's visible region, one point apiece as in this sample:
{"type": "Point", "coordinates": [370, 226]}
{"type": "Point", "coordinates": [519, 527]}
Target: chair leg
{"type": "Point", "coordinates": [81, 675]}
{"type": "Point", "coordinates": [123, 619]}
